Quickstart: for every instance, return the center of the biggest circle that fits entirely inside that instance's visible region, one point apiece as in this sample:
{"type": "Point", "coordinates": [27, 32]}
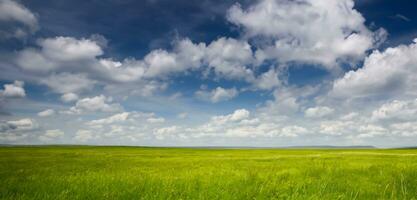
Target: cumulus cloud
{"type": "Point", "coordinates": [396, 110]}
{"type": "Point", "coordinates": [391, 72]}
{"type": "Point", "coordinates": [83, 135]}
{"type": "Point", "coordinates": [163, 133]}
{"type": "Point", "coordinates": [93, 104]}
{"type": "Point", "coordinates": [69, 97]}
{"type": "Point", "coordinates": [216, 95]}
{"type": "Point", "coordinates": [66, 83]}
{"type": "Point", "coordinates": [22, 124]}
{"type": "Point", "coordinates": [15, 130]}
{"type": "Point", "coordinates": [369, 131]}
{"type": "Point", "coordinates": [156, 120]}
{"type": "Point", "coordinates": [229, 58]}
{"type": "Point", "coordinates": [287, 100]}
{"type": "Point", "coordinates": [69, 49]}
{"type": "Point", "coordinates": [407, 129]}
{"type": "Point", "coordinates": [14, 90]}
{"type": "Point", "coordinates": [46, 113]}
{"type": "Point", "coordinates": [51, 135]}
{"type": "Point", "coordinates": [237, 115]}
{"type": "Point", "coordinates": [276, 33]}
{"type": "Point", "coordinates": [268, 80]}
{"type": "Point", "coordinates": [293, 30]}
{"type": "Point", "coordinates": [318, 112]}
{"type": "Point", "coordinates": [16, 19]}
{"type": "Point", "coordinates": [112, 119]}
{"type": "Point", "coordinates": [128, 125]}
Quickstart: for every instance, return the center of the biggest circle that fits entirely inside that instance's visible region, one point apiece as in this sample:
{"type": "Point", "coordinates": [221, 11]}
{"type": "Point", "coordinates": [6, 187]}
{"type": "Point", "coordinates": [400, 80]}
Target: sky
{"type": "Point", "coordinates": [261, 73]}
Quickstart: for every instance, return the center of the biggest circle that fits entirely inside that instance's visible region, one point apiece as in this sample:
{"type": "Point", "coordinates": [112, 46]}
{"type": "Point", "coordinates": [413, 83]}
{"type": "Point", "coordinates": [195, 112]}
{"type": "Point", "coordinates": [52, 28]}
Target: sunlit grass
{"type": "Point", "coordinates": [174, 173]}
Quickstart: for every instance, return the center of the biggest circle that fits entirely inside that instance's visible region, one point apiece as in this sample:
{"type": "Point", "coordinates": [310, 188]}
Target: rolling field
{"type": "Point", "coordinates": [80, 172]}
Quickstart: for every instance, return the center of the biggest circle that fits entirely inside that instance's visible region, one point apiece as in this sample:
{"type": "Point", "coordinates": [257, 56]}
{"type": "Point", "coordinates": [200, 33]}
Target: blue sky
{"type": "Point", "coordinates": [208, 73]}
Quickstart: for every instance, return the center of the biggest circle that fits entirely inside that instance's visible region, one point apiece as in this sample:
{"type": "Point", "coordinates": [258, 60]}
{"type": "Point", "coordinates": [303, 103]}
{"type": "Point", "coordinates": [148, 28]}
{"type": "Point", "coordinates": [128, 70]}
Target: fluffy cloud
{"type": "Point", "coordinates": [293, 30]}
{"type": "Point", "coordinates": [127, 125]}
{"type": "Point", "coordinates": [83, 135]}
{"type": "Point", "coordinates": [24, 124]}
{"type": "Point", "coordinates": [51, 135]}
{"type": "Point", "coordinates": [66, 83]}
{"type": "Point", "coordinates": [69, 97]}
{"type": "Point", "coordinates": [336, 128]}
{"type": "Point", "coordinates": [14, 90]}
{"type": "Point", "coordinates": [268, 80]}
{"type": "Point", "coordinates": [59, 52]}
{"type": "Point", "coordinates": [217, 95]}
{"type": "Point", "coordinates": [162, 133]}
{"type": "Point", "coordinates": [94, 104]}
{"type": "Point", "coordinates": [287, 100]}
{"type": "Point", "coordinates": [13, 12]}
{"type": "Point", "coordinates": [237, 115]}
{"type": "Point", "coordinates": [318, 112]}
{"type": "Point", "coordinates": [229, 58]}
{"type": "Point", "coordinates": [112, 119]}
{"type": "Point", "coordinates": [15, 130]}
{"type": "Point", "coordinates": [69, 49]}
{"type": "Point", "coordinates": [162, 63]}
{"type": "Point", "coordinates": [407, 129]}
{"type": "Point", "coordinates": [396, 110]}
{"type": "Point", "coordinates": [369, 131]}
{"type": "Point", "coordinates": [46, 113]}
{"type": "Point", "coordinates": [156, 120]}
{"type": "Point", "coordinates": [391, 72]}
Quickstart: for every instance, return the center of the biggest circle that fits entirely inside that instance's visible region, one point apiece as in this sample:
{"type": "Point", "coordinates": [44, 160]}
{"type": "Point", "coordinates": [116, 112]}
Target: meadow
{"type": "Point", "coordinates": [87, 172]}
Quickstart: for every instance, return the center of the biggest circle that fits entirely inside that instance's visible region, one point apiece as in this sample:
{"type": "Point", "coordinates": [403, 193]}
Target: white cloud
{"type": "Point", "coordinates": [14, 90]}
{"type": "Point", "coordinates": [268, 80]}
{"type": "Point", "coordinates": [229, 58]}
{"type": "Point", "coordinates": [149, 89]}
{"type": "Point", "coordinates": [84, 135]}
{"type": "Point", "coordinates": [286, 100]}
{"type": "Point", "coordinates": [120, 117]}
{"type": "Point", "coordinates": [17, 130]}
{"type": "Point", "coordinates": [237, 115]}
{"type": "Point", "coordinates": [69, 97]}
{"type": "Point", "coordinates": [217, 95]}
{"type": "Point", "coordinates": [163, 133]}
{"type": "Point", "coordinates": [51, 135]}
{"type": "Point", "coordinates": [156, 120]}
{"type": "Point", "coordinates": [406, 129]}
{"type": "Point", "coordinates": [350, 116]}
{"type": "Point", "coordinates": [161, 62]}
{"type": "Point", "coordinates": [23, 124]}
{"type": "Point", "coordinates": [93, 104]}
{"type": "Point", "coordinates": [31, 59]}
{"type": "Point", "coordinates": [293, 30]}
{"type": "Point", "coordinates": [396, 110]}
{"type": "Point", "coordinates": [14, 12]}
{"type": "Point", "coordinates": [46, 113]}
{"type": "Point", "coordinates": [68, 83]}
{"type": "Point", "coordinates": [69, 49]}
{"type": "Point", "coordinates": [336, 128]}
{"type": "Point", "coordinates": [293, 131]}
{"type": "Point", "coordinates": [391, 72]}
{"type": "Point", "coordinates": [369, 131]}
{"type": "Point", "coordinates": [318, 112]}
{"type": "Point", "coordinates": [128, 125]}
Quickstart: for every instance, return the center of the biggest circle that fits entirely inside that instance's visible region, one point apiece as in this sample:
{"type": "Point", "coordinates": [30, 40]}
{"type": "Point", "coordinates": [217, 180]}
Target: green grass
{"type": "Point", "coordinates": [175, 173]}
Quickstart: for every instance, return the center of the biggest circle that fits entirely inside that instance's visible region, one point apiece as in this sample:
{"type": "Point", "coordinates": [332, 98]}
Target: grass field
{"type": "Point", "coordinates": [175, 173]}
